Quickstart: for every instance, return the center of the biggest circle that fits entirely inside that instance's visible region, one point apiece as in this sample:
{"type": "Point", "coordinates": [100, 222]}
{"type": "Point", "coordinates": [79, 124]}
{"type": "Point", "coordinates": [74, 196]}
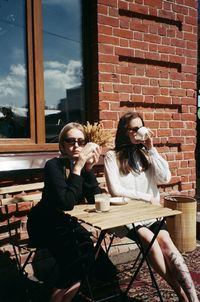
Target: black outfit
{"type": "Point", "coordinates": [154, 228]}
{"type": "Point", "coordinates": [61, 234]}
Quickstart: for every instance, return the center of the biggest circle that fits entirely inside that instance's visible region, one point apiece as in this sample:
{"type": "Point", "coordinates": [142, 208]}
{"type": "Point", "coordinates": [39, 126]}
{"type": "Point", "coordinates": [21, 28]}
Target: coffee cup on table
{"type": "Point", "coordinates": [102, 202]}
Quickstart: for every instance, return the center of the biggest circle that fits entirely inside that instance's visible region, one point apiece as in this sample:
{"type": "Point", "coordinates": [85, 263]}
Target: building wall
{"type": "Point", "coordinates": [147, 61]}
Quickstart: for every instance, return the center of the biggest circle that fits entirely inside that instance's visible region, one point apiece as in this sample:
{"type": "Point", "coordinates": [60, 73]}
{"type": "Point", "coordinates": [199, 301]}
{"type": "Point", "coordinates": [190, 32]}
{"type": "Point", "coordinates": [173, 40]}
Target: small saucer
{"type": "Point", "coordinates": [118, 200]}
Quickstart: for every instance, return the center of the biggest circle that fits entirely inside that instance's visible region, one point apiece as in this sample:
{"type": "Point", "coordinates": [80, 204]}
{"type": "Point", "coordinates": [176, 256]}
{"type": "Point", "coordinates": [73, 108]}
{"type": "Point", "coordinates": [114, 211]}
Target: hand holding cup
{"type": "Point", "coordinates": [143, 134]}
{"type": "Point", "coordinates": [93, 156]}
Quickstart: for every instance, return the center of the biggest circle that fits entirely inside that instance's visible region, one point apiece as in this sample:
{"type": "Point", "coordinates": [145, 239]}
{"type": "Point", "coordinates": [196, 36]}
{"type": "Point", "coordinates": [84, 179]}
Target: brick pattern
{"type": "Point", "coordinates": [147, 61]}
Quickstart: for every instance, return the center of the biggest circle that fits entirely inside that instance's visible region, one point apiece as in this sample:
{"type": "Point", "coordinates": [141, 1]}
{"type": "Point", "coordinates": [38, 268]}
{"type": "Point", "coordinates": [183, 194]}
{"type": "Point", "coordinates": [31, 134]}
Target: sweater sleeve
{"type": "Point", "coordinates": [161, 172]}
{"type": "Point", "coordinates": [113, 180]}
{"type": "Point", "coordinates": [63, 193]}
{"type": "Point", "coordinates": [90, 186]}
{"type": "Point", "coordinates": [58, 192]}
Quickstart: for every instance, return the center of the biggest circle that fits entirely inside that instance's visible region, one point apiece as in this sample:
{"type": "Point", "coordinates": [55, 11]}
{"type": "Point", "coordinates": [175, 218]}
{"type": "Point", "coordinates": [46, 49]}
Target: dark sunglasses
{"type": "Point", "coordinates": [134, 129]}
{"type": "Point", "coordinates": [72, 141]}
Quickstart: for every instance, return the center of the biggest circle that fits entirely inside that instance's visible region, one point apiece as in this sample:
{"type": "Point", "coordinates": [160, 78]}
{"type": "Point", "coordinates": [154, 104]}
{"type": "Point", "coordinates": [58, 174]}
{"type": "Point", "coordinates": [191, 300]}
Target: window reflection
{"type": "Point", "coordinates": [62, 64]}
{"type": "Point", "coordinates": [14, 115]}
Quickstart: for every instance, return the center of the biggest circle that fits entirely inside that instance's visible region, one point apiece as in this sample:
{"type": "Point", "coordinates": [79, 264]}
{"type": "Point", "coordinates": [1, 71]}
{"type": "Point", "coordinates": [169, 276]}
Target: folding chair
{"type": "Point", "coordinates": [18, 236]}
{"type": "Point", "coordinates": [24, 251]}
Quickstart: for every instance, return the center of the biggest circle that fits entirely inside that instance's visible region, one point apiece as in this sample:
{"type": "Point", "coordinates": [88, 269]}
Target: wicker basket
{"type": "Point", "coordinates": [182, 228]}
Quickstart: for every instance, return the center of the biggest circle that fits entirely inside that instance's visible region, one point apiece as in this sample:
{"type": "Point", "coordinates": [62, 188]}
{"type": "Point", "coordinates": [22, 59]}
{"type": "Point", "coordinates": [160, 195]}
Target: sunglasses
{"type": "Point", "coordinates": [134, 129]}
{"type": "Point", "coordinates": [72, 141]}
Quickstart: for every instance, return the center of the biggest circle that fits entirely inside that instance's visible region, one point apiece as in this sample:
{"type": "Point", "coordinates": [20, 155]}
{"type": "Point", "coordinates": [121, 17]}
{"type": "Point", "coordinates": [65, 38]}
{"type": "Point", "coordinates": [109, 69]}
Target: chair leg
{"type": "Point", "coordinates": [107, 248]}
{"type": "Point", "coordinates": [17, 256]}
{"type": "Point", "coordinates": [26, 261]}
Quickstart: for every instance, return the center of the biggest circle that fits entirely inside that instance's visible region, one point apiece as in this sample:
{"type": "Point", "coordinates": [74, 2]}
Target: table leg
{"type": "Point", "coordinates": [98, 244]}
{"type": "Point", "coordinates": [144, 257]}
{"type": "Point", "coordinates": [91, 298]}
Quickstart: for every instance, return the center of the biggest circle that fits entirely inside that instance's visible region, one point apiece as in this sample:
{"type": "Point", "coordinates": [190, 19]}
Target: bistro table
{"type": "Point", "coordinates": [119, 215]}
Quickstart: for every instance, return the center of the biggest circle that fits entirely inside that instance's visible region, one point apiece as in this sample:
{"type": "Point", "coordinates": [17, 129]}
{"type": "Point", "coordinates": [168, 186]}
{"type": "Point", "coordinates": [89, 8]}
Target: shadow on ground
{"type": "Point", "coordinates": [17, 287]}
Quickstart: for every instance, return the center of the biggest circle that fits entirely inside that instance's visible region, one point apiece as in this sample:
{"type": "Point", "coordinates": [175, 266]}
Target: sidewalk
{"type": "Point", "coordinates": [123, 250]}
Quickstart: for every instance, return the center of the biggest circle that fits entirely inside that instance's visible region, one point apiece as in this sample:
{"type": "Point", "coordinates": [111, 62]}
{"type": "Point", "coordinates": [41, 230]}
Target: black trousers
{"type": "Point", "coordinates": [71, 246]}
{"type": "Point", "coordinates": [68, 242]}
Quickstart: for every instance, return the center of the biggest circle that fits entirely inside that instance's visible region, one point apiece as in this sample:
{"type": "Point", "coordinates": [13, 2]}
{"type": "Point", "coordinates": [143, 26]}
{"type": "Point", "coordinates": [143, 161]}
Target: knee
{"type": "Point", "coordinates": [165, 243]}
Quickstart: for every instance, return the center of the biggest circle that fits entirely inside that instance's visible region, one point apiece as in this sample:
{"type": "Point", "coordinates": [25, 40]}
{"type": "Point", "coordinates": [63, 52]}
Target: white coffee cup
{"type": "Point", "coordinates": [94, 147]}
{"type": "Point", "coordinates": [102, 202]}
{"type": "Point", "coordinates": [143, 133]}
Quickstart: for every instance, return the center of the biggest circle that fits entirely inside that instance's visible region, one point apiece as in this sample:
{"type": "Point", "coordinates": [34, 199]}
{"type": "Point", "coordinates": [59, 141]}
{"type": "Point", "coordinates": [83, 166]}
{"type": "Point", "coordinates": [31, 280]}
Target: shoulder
{"type": "Point", "coordinates": [56, 161]}
{"type": "Point", "coordinates": [52, 160]}
{"type": "Point", "coordinates": [110, 154]}
{"type": "Point", "coordinates": [110, 158]}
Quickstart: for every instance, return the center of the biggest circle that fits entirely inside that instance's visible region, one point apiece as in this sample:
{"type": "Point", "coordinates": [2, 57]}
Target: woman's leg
{"type": "Point", "coordinates": [74, 253]}
{"type": "Point", "coordinates": [177, 266]}
{"type": "Point", "coordinates": [161, 265]}
{"type": "Point", "coordinates": [64, 294]}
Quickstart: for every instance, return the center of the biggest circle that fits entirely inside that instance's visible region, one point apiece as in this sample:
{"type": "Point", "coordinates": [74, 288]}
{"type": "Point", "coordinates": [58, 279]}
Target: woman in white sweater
{"type": "Point", "coordinates": [134, 169]}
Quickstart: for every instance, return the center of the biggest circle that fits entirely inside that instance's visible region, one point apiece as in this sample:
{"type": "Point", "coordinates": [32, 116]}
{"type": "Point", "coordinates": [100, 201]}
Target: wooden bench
{"type": "Point", "coordinates": [17, 193]}
{"type": "Point", "coordinates": [30, 192]}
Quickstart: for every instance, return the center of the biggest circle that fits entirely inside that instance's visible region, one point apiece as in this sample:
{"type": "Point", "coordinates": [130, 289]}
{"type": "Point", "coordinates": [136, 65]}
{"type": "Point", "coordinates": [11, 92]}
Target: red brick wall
{"type": "Point", "coordinates": [147, 53]}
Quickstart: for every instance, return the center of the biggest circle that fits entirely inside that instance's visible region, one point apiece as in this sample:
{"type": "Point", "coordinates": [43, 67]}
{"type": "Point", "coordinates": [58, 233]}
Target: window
{"type": "Point", "coordinates": [41, 71]}
{"type": "Point", "coordinates": [14, 112]}
{"type": "Point", "coordinates": [62, 64]}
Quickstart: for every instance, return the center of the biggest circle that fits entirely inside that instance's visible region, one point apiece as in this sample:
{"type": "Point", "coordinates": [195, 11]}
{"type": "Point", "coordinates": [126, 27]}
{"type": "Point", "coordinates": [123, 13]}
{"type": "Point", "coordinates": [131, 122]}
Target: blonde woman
{"type": "Point", "coordinates": [68, 180]}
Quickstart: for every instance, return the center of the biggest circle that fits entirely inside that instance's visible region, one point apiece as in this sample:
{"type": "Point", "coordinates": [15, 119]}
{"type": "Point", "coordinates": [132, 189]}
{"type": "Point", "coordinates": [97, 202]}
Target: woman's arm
{"type": "Point", "coordinates": [113, 180]}
{"type": "Point", "coordinates": [161, 172]}
{"type": "Point", "coordinates": [160, 167]}
{"type": "Point", "coordinates": [61, 193]}
{"type": "Point", "coordinates": [90, 185]}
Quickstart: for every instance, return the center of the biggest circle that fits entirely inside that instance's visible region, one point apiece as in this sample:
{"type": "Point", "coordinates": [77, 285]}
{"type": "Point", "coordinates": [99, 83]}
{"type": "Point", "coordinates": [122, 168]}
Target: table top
{"type": "Point", "coordinates": [119, 215]}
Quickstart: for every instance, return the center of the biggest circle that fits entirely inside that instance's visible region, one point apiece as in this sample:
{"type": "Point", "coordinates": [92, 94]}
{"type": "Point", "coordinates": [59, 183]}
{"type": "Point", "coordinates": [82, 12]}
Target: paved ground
{"type": "Point", "coordinates": [15, 288]}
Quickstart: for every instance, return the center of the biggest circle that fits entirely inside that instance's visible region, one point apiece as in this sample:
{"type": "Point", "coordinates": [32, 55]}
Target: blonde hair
{"type": "Point", "coordinates": [63, 132]}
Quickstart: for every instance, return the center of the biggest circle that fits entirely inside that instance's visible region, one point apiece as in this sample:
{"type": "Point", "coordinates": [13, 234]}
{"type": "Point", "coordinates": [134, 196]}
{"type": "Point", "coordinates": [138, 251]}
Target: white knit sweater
{"type": "Point", "coordinates": [134, 185]}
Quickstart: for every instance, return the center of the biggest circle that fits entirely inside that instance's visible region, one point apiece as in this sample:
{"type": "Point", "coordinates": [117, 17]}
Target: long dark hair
{"type": "Point", "coordinates": [125, 150]}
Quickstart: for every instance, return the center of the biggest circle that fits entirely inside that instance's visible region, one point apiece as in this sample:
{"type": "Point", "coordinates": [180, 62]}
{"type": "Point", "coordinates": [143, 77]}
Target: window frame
{"type": "Point", "coordinates": [35, 86]}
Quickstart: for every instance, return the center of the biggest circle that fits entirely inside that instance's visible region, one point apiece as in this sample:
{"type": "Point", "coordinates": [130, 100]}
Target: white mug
{"type": "Point", "coordinates": [94, 146]}
{"type": "Point", "coordinates": [143, 133]}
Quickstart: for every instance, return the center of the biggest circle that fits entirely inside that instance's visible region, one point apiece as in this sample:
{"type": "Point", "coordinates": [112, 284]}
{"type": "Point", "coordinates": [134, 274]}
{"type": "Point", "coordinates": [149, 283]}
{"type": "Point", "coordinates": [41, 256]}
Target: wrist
{"type": "Point", "coordinates": [88, 167]}
{"type": "Point", "coordinates": [77, 170]}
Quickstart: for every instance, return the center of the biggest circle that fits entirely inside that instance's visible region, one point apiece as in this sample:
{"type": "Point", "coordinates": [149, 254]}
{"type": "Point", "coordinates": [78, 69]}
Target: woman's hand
{"type": "Point", "coordinates": [148, 143]}
{"type": "Point", "coordinates": [154, 201]}
{"type": "Point", "coordinates": [94, 159]}
{"type": "Point", "coordinates": [88, 157]}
